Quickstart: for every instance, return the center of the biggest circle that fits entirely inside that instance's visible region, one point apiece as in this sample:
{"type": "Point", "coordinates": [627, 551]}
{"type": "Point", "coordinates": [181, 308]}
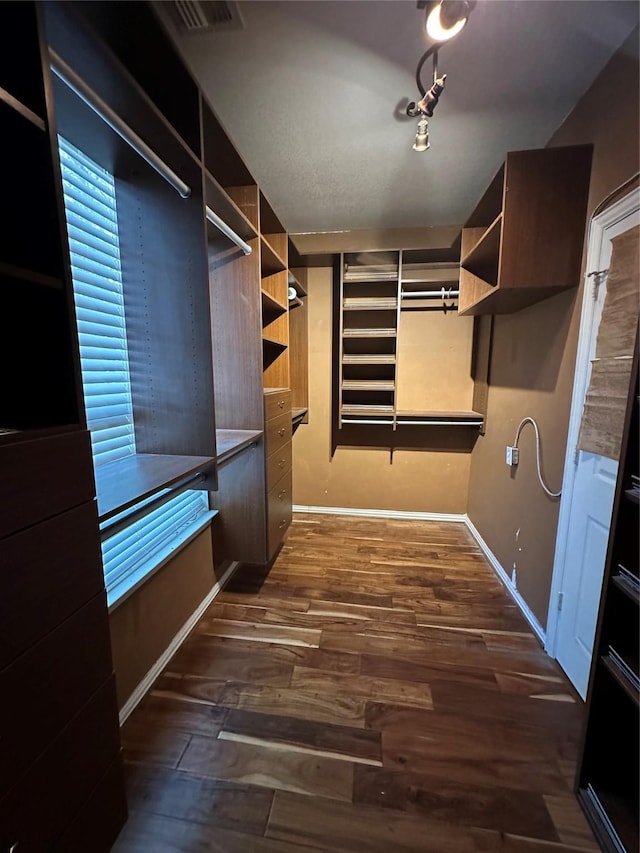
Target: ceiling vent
{"type": "Point", "coordinates": [205, 16]}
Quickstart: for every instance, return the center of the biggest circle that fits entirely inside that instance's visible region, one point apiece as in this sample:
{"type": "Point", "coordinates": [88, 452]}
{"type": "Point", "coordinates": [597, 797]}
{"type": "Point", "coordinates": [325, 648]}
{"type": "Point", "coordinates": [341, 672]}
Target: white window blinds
{"type": "Point", "coordinates": [90, 205]}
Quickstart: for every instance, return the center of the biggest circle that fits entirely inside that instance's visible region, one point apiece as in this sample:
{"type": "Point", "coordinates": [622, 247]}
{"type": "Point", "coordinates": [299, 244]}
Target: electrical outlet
{"type": "Point", "coordinates": [512, 455]}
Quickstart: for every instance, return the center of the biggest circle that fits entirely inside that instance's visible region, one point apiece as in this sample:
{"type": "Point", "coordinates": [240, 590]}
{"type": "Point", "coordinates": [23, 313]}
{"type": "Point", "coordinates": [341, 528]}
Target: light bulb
{"type": "Point", "coordinates": [422, 136]}
{"type": "Point", "coordinates": [435, 28]}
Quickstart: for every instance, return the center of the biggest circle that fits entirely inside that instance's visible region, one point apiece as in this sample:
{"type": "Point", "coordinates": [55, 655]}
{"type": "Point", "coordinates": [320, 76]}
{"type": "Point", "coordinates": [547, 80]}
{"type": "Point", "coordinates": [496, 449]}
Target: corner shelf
{"type": "Point", "coordinates": [523, 242]}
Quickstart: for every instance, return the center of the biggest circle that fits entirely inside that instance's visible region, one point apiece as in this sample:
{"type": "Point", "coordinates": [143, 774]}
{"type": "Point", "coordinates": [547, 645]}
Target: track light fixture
{"type": "Point", "coordinates": [422, 136]}
{"type": "Point", "coordinates": [444, 20]}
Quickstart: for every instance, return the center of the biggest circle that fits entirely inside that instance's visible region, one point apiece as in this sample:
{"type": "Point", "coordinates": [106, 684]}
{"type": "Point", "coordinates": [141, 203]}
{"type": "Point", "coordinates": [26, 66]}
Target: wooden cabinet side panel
{"type": "Point", "coordinates": [234, 285]}
{"type": "Point", "coordinates": [299, 356]}
{"type": "Point", "coordinates": [239, 531]}
{"type": "Point", "coordinates": [544, 214]}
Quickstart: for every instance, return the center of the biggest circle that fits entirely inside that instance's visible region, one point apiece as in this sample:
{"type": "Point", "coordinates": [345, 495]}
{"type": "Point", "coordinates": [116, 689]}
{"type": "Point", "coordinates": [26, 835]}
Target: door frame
{"type": "Point", "coordinates": [626, 206]}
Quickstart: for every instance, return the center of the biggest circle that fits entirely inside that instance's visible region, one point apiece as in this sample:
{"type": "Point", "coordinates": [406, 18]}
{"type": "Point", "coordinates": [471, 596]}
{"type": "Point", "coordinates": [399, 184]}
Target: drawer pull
{"type": "Point", "coordinates": [282, 493]}
{"type": "Point", "coordinates": [282, 524]}
{"type": "Point", "coordinates": [281, 404]}
{"type": "Point", "coordinates": [282, 463]}
{"type": "Point", "coordinates": [282, 431]}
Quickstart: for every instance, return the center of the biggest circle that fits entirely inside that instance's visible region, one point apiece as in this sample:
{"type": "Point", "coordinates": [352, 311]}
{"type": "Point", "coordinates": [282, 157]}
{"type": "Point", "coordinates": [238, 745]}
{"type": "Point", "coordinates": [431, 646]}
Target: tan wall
{"type": "Point", "coordinates": [534, 358]}
{"type": "Point", "coordinates": [143, 626]}
{"type": "Point", "coordinates": [367, 477]}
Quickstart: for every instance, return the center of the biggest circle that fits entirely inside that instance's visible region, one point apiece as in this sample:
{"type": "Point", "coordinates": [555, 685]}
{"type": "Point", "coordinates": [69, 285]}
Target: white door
{"type": "Point", "coordinates": [589, 481]}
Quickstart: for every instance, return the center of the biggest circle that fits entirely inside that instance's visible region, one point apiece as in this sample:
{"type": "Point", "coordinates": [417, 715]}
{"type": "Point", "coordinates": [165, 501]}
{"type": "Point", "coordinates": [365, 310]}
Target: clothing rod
{"type": "Point", "coordinates": [221, 225]}
{"type": "Point", "coordinates": [108, 116]}
{"type": "Point", "coordinates": [110, 529]}
{"type": "Point", "coordinates": [430, 294]}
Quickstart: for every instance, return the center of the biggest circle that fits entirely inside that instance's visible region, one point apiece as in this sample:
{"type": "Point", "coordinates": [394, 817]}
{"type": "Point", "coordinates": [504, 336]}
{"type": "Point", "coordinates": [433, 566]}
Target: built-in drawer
{"type": "Point", "coordinates": [276, 403]}
{"type": "Point", "coordinates": [42, 804]}
{"type": "Point", "coordinates": [279, 512]}
{"type": "Point", "coordinates": [278, 464]}
{"type": "Point", "coordinates": [44, 688]}
{"type": "Point", "coordinates": [47, 572]}
{"type": "Point", "coordinates": [43, 477]}
{"type": "Point", "coordinates": [277, 433]}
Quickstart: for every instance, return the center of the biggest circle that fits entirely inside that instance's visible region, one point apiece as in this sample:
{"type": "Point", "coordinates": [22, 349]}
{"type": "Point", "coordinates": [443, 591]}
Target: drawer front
{"type": "Point", "coordinates": [44, 477]}
{"type": "Point", "coordinates": [101, 818]}
{"type": "Point", "coordinates": [279, 512]}
{"type": "Point", "coordinates": [278, 464]}
{"type": "Point", "coordinates": [276, 403]}
{"type": "Point", "coordinates": [47, 572]}
{"type": "Point", "coordinates": [46, 687]}
{"type": "Point", "coordinates": [43, 803]}
{"type": "Point", "coordinates": [278, 433]}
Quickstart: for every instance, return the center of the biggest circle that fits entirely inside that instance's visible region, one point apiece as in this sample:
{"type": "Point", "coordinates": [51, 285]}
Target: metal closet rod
{"type": "Point", "coordinates": [108, 116]}
{"type": "Point", "coordinates": [110, 528]}
{"type": "Point", "coordinates": [104, 111]}
{"type": "Point", "coordinates": [443, 293]}
{"type": "Point", "coordinates": [221, 225]}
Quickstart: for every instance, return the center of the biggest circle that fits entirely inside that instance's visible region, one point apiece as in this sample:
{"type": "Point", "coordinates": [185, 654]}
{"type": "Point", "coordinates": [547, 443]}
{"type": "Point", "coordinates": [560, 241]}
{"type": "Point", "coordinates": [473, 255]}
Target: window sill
{"type": "Point", "coordinates": [130, 584]}
{"type": "Point", "coordinates": [126, 482]}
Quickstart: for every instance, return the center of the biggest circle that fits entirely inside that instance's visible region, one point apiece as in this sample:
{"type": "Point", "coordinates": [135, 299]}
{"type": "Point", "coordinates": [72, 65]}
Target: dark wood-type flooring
{"type": "Point", "coordinates": [376, 691]}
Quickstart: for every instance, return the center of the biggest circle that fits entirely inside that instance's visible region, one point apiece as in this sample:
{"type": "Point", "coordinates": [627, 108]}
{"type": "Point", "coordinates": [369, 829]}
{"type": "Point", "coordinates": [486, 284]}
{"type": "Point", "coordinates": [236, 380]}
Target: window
{"type": "Point", "coordinates": [90, 206]}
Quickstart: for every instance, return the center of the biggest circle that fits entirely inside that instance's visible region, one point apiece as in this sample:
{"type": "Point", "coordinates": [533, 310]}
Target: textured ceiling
{"type": "Point", "coordinates": [313, 96]}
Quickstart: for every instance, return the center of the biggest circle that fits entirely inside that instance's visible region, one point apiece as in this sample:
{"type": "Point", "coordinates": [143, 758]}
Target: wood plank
{"type": "Point", "coordinates": [268, 767]}
{"type": "Point", "coordinates": [341, 684]}
{"type": "Point", "coordinates": [386, 667]}
{"type": "Point", "coordinates": [570, 822]}
{"type": "Point", "coordinates": [261, 633]}
{"type": "Point", "coordinates": [460, 758]}
{"type": "Point", "coordinates": [346, 742]}
{"type": "Point", "coordinates": [349, 828]}
{"type": "Point", "coordinates": [143, 833]}
{"type": "Point", "coordinates": [517, 811]}
{"type": "Point", "coordinates": [211, 802]}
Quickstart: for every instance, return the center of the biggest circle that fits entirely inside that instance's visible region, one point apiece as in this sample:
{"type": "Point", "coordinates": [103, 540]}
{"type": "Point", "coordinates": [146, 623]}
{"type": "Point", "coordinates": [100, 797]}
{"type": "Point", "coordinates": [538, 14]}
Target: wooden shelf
{"type": "Point", "coordinates": [271, 342]}
{"type": "Point", "coordinates": [19, 107]}
{"type": "Point", "coordinates": [271, 261]}
{"type": "Point", "coordinates": [298, 413]}
{"type": "Point", "coordinates": [294, 281]}
{"type": "Point", "coordinates": [369, 303]}
{"type": "Point", "coordinates": [632, 495]}
{"type": "Point", "coordinates": [218, 200]}
{"type": "Point", "coordinates": [369, 358]}
{"type": "Point", "coordinates": [368, 385]}
{"type": "Point", "coordinates": [368, 333]}
{"type": "Point", "coordinates": [620, 678]}
{"type": "Point", "coordinates": [523, 242]}
{"type": "Point", "coordinates": [271, 308]}
{"type": "Point", "coordinates": [125, 482]}
{"type": "Point", "coordinates": [631, 593]}
{"type": "Point", "coordinates": [449, 418]}
{"type": "Point", "coordinates": [12, 271]}
{"type": "Point", "coordinates": [230, 442]}
{"type": "Point", "coordinates": [365, 409]}
{"type": "Point", "coordinates": [483, 259]}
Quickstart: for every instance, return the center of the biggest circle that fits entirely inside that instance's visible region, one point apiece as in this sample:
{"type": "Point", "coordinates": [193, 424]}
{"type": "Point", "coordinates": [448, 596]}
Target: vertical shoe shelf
{"type": "Point", "coordinates": [369, 305]}
{"type": "Point", "coordinates": [607, 779]}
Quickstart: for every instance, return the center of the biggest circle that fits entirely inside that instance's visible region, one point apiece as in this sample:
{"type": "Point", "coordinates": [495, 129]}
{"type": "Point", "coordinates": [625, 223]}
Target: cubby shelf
{"type": "Point", "coordinates": [367, 385]}
{"type": "Point", "coordinates": [271, 308]}
{"type": "Point", "coordinates": [371, 303]}
{"type": "Point", "coordinates": [271, 260]}
{"type": "Point", "coordinates": [523, 241]}
{"type": "Point", "coordinates": [125, 482]}
{"type": "Point", "coordinates": [369, 333]}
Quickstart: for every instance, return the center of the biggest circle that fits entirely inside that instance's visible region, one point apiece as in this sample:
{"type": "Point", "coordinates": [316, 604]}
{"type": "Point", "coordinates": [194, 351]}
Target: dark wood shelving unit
{"type": "Point", "coordinates": [61, 758]}
{"type": "Point", "coordinates": [607, 778]}
{"type": "Point", "coordinates": [523, 242]}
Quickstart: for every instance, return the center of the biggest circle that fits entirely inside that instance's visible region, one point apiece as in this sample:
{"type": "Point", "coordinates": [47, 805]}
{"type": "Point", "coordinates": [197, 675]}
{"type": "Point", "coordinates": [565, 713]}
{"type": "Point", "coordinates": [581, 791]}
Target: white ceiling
{"type": "Point", "coordinates": [313, 95]}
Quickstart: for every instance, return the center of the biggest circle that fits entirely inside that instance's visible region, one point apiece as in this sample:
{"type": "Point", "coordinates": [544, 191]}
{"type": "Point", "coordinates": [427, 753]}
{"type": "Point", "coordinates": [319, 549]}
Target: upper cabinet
{"type": "Point", "coordinates": [523, 242]}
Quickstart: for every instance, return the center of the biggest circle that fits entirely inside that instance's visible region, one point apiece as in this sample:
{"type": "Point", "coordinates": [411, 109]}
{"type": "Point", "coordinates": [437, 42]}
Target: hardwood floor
{"type": "Point", "coordinates": [376, 691]}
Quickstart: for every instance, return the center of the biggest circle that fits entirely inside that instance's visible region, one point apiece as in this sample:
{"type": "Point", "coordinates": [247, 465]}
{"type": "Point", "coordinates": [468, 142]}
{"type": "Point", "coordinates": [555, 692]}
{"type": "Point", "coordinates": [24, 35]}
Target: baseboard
{"type": "Point", "coordinates": [382, 513]}
{"type": "Point", "coordinates": [506, 580]}
{"type": "Point", "coordinates": [141, 690]}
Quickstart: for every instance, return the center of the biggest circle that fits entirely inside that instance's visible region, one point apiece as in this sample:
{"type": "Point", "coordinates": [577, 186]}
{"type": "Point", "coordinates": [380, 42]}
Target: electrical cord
{"type": "Point", "coordinates": [538, 465]}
